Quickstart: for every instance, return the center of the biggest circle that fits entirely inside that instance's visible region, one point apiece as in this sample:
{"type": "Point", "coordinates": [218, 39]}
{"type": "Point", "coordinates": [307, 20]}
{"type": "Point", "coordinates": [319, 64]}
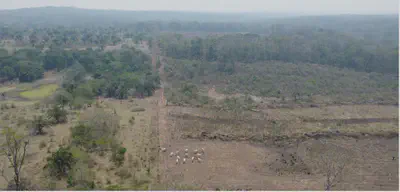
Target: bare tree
{"type": "Point", "coordinates": [331, 159]}
{"type": "Point", "coordinates": [15, 149]}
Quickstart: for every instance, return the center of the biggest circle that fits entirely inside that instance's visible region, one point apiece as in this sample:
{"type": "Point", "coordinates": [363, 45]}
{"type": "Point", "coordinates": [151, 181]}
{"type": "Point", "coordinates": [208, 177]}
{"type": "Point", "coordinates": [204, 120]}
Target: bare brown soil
{"type": "Point", "coordinates": [235, 165]}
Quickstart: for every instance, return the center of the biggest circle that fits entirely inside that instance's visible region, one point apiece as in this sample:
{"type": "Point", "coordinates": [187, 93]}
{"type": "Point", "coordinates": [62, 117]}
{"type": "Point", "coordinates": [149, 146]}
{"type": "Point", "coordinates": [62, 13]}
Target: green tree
{"type": "Point", "coordinates": [62, 98]}
{"type": "Point", "coordinates": [61, 162]}
{"type": "Point", "coordinates": [57, 114]}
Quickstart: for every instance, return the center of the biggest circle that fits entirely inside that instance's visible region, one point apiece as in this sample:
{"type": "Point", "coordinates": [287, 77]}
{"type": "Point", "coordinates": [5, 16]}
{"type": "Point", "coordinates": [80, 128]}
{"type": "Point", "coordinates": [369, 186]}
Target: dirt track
{"type": "Point", "coordinates": [163, 133]}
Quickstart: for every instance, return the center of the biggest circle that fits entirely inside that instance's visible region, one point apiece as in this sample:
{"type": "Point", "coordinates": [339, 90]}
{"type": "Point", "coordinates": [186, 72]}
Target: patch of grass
{"type": "Point", "coordinates": [41, 92]}
{"type": "Point", "coordinates": [79, 154]}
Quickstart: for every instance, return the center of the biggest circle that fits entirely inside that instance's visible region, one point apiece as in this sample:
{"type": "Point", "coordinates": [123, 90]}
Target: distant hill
{"type": "Point", "coordinates": [381, 29]}
{"type": "Point", "coordinates": [72, 15]}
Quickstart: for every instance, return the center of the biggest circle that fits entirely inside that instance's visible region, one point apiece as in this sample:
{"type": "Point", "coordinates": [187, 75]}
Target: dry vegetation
{"type": "Point", "coordinates": [250, 143]}
{"type": "Point", "coordinates": [134, 131]}
{"type": "Point", "coordinates": [279, 147]}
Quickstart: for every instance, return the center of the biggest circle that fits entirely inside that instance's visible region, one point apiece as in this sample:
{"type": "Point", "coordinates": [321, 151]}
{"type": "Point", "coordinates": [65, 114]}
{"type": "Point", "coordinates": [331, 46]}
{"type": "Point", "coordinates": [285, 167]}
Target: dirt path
{"type": "Point", "coordinates": [164, 135]}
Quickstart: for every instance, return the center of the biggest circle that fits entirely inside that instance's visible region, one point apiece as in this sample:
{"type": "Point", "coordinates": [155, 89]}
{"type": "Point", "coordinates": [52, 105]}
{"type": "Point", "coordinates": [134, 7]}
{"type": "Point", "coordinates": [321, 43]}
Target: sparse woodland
{"type": "Point", "coordinates": [297, 97]}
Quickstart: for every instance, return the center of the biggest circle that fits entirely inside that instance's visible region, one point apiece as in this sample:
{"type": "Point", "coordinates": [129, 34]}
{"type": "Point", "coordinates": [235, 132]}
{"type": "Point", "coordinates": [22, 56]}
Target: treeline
{"type": "Point", "coordinates": [33, 26]}
{"type": "Point", "coordinates": [117, 74]}
{"type": "Point", "coordinates": [313, 46]}
{"type": "Point", "coordinates": [90, 72]}
{"type": "Point", "coordinates": [28, 65]}
{"type": "Point", "coordinates": [62, 36]}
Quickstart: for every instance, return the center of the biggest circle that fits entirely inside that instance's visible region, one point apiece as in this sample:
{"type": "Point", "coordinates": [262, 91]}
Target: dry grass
{"type": "Point", "coordinates": [202, 123]}
{"type": "Point", "coordinates": [335, 112]}
{"type": "Point", "coordinates": [140, 139]}
{"type": "Point", "coordinates": [4, 89]}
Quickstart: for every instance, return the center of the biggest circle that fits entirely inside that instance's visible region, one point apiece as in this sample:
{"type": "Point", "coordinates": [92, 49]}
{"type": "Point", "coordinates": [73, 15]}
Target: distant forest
{"type": "Point", "coordinates": [56, 38]}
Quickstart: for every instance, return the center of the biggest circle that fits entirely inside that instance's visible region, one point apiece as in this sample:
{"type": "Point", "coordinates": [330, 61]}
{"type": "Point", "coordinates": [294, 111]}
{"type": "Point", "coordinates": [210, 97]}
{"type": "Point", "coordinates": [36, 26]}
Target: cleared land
{"type": "Point", "coordinates": [251, 155]}
{"type": "Point", "coordinates": [269, 148]}
{"type": "Point", "coordinates": [265, 149]}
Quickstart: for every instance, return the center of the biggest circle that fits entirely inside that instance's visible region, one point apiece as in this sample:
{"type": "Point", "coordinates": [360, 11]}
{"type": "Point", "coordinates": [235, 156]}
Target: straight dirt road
{"type": "Point", "coordinates": [164, 135]}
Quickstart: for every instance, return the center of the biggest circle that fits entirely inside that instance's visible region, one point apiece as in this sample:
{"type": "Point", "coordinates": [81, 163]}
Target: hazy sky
{"type": "Point", "coordinates": [283, 6]}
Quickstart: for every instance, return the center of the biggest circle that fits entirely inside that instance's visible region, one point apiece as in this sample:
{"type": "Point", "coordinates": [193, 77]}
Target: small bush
{"type": "Point", "coordinates": [6, 116]}
{"type": "Point", "coordinates": [80, 102]}
{"type": "Point", "coordinates": [42, 145]}
{"type": "Point", "coordinates": [60, 162]}
{"type": "Point", "coordinates": [118, 155]}
{"type": "Point", "coordinates": [24, 185]}
{"type": "Point", "coordinates": [123, 173]}
{"type": "Point", "coordinates": [81, 180]}
{"type": "Point", "coordinates": [38, 124]}
{"type": "Point", "coordinates": [21, 121]}
{"type": "Point", "coordinates": [138, 109]}
{"type": "Point", "coordinates": [4, 106]}
{"type": "Point", "coordinates": [132, 120]}
{"type": "Point", "coordinates": [36, 106]}
{"type": "Point", "coordinates": [95, 130]}
{"type": "Point", "coordinates": [62, 97]}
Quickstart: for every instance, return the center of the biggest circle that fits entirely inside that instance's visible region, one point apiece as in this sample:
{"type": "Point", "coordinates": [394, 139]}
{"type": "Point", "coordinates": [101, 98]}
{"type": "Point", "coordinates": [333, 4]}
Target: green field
{"type": "Point", "coordinates": [40, 92]}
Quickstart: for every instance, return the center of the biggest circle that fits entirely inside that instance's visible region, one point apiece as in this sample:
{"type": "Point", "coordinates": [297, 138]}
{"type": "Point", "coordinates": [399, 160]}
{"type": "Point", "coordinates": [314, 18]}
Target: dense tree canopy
{"type": "Point", "coordinates": [312, 46]}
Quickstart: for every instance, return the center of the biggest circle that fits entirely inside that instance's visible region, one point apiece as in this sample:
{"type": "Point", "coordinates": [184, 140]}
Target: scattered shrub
{"type": "Point", "coordinates": [21, 120]}
{"type": "Point", "coordinates": [60, 162]}
{"type": "Point", "coordinates": [118, 155]}
{"type": "Point", "coordinates": [123, 173]}
{"type": "Point", "coordinates": [36, 106]}
{"type": "Point", "coordinates": [138, 109]}
{"type": "Point", "coordinates": [80, 178]}
{"type": "Point", "coordinates": [95, 130]}
{"type": "Point", "coordinates": [42, 145]}
{"type": "Point", "coordinates": [4, 106]}
{"type": "Point", "coordinates": [57, 114]}
{"type": "Point", "coordinates": [132, 120]}
{"type": "Point", "coordinates": [38, 124]}
{"type": "Point", "coordinates": [6, 116]}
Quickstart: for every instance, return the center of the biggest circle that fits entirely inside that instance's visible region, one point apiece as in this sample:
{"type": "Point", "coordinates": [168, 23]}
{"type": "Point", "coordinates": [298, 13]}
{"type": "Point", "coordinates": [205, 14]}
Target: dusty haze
{"type": "Point", "coordinates": [282, 6]}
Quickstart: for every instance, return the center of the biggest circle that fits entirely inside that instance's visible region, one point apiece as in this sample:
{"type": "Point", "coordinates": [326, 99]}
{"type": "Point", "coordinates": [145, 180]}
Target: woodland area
{"type": "Point", "coordinates": [98, 101]}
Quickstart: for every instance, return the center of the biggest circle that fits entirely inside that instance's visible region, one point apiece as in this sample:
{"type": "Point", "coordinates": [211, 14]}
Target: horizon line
{"type": "Point", "coordinates": [206, 11]}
